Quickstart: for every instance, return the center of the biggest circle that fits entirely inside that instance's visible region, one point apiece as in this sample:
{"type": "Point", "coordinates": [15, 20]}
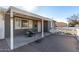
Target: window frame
{"type": "Point", "coordinates": [19, 25]}
{"type": "Point", "coordinates": [27, 22]}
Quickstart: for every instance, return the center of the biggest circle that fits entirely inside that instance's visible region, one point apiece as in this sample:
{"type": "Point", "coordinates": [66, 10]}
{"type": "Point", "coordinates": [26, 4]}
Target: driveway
{"type": "Point", "coordinates": [52, 43]}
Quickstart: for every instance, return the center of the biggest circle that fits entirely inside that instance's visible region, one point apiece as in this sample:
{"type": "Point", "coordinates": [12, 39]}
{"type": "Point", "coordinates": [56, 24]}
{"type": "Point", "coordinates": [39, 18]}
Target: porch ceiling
{"type": "Point", "coordinates": [25, 16]}
{"type": "Point", "coordinates": [28, 14]}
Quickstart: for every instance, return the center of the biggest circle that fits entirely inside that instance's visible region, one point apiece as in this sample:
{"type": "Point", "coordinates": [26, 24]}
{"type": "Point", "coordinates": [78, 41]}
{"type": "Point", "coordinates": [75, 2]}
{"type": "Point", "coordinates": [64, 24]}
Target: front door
{"type": "Point", "coordinates": [45, 26]}
{"type": "Point", "coordinates": [35, 27]}
{"type": "Point", "coordinates": [39, 26]}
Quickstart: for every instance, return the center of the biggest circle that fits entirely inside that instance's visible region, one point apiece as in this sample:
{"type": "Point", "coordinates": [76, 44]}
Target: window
{"type": "Point", "coordinates": [24, 23]}
{"type": "Point", "coordinates": [21, 23]}
{"type": "Point", "coordinates": [17, 23]}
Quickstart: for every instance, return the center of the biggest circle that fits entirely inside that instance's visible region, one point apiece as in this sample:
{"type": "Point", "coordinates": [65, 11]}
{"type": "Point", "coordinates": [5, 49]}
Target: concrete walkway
{"type": "Point", "coordinates": [4, 46]}
{"type": "Point", "coordinates": [52, 43]}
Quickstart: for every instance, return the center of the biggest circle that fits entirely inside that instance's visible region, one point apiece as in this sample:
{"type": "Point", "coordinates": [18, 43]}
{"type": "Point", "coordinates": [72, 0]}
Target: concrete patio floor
{"type": "Point", "coordinates": [22, 40]}
{"type": "Point", "coordinates": [52, 43]}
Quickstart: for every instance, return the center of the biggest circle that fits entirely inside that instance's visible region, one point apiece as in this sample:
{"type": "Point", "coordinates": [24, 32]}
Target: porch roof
{"type": "Point", "coordinates": [29, 14]}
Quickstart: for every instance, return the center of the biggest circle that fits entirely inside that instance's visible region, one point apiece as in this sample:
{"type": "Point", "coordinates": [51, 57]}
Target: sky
{"type": "Point", "coordinates": [58, 13]}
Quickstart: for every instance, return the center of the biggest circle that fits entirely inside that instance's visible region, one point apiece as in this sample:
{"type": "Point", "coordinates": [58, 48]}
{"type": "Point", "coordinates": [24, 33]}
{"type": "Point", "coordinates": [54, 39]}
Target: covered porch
{"type": "Point", "coordinates": [23, 39]}
{"type": "Point", "coordinates": [20, 23]}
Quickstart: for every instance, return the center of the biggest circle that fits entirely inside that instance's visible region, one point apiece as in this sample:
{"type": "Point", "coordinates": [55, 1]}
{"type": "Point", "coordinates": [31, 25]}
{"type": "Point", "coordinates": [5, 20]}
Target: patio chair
{"type": "Point", "coordinates": [29, 33]}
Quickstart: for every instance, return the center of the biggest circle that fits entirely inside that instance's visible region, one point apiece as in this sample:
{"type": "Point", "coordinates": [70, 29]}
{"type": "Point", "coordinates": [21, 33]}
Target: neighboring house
{"type": "Point", "coordinates": [15, 22]}
{"type": "Point", "coordinates": [61, 24]}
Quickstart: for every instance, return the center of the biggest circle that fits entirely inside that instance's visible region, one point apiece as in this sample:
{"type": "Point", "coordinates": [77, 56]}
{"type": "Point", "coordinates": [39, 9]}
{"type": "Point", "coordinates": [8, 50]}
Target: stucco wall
{"type": "Point", "coordinates": [7, 25]}
{"type": "Point", "coordinates": [1, 26]}
{"type": "Point", "coordinates": [39, 26]}
{"type": "Point", "coordinates": [45, 26]}
{"type": "Point", "coordinates": [49, 25]}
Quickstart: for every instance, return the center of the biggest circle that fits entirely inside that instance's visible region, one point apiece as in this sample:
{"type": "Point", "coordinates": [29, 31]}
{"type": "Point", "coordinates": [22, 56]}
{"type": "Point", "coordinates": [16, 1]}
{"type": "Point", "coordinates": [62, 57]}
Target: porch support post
{"type": "Point", "coordinates": [11, 30]}
{"type": "Point", "coordinates": [42, 28]}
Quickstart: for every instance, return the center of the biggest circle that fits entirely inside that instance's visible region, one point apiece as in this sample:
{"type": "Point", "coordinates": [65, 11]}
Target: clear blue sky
{"type": "Point", "coordinates": [59, 13]}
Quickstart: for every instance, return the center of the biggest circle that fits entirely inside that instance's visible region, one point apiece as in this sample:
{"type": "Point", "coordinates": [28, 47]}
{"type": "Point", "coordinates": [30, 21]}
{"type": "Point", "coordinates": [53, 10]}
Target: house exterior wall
{"type": "Point", "coordinates": [34, 25]}
{"type": "Point", "coordinates": [45, 26]}
{"type": "Point", "coordinates": [31, 26]}
{"type": "Point", "coordinates": [18, 23]}
{"type": "Point", "coordinates": [2, 26]}
{"type": "Point", "coordinates": [18, 30]}
{"type": "Point", "coordinates": [49, 25]}
{"type": "Point", "coordinates": [53, 25]}
{"type": "Point", "coordinates": [7, 25]}
{"type": "Point", "coordinates": [39, 26]}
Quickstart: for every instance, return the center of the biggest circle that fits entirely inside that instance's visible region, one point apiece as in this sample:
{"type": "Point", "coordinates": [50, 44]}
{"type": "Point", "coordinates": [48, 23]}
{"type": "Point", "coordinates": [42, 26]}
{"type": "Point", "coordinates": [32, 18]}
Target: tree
{"type": "Point", "coordinates": [73, 20]}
